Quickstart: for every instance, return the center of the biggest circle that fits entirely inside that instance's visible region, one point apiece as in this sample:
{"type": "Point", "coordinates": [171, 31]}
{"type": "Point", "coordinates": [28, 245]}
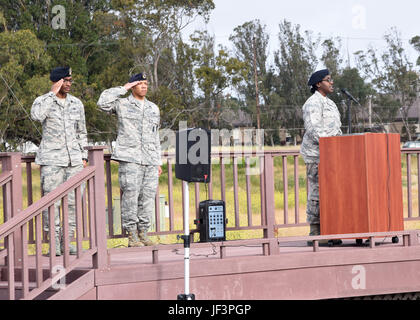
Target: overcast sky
{"type": "Point", "coordinates": [359, 23]}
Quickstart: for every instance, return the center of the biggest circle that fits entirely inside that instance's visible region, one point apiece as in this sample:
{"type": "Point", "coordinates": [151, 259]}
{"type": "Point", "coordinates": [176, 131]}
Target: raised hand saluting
{"type": "Point", "coordinates": [129, 85]}
{"type": "Point", "coordinates": [57, 86]}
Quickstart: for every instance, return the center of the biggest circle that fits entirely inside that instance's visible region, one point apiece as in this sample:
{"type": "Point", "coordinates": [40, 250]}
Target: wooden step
{"type": "Point", "coordinates": [76, 282]}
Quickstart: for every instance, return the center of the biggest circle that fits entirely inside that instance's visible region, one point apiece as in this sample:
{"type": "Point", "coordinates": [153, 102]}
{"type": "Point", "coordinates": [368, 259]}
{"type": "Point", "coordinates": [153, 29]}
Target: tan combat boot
{"type": "Point", "coordinates": [133, 239]}
{"type": "Point", "coordinates": [145, 239]}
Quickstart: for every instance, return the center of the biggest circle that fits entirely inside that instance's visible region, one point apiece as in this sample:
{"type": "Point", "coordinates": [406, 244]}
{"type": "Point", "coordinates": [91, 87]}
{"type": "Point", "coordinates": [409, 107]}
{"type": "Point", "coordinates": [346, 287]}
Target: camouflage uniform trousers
{"type": "Point", "coordinates": [51, 178]}
{"type": "Point", "coordinates": [312, 207]}
{"type": "Point", "coordinates": [138, 185]}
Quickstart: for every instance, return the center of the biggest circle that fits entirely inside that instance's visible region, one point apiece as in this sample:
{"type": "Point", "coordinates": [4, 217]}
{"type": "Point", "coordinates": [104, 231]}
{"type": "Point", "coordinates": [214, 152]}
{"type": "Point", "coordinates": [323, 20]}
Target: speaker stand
{"type": "Point", "coordinates": [186, 237]}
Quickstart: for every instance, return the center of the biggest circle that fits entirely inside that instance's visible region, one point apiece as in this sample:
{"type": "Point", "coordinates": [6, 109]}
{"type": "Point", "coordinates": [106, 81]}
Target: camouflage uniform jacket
{"type": "Point", "coordinates": [64, 133]}
{"type": "Point", "coordinates": [138, 127]}
{"type": "Point", "coordinates": [322, 119]}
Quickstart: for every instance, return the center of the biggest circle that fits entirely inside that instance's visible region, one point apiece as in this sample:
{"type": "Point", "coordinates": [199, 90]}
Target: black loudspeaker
{"type": "Point", "coordinates": [193, 155]}
{"type": "Point", "coordinates": [212, 221]}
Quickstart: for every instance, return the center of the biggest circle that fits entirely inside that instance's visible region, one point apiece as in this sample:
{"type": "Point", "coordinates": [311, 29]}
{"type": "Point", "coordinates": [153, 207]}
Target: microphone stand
{"type": "Point", "coordinates": [350, 98]}
{"type": "Point", "coordinates": [349, 115]}
{"type": "Point", "coordinates": [187, 240]}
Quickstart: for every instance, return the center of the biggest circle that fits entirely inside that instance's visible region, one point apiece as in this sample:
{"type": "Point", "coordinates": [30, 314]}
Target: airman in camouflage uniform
{"type": "Point", "coordinates": [138, 152]}
{"type": "Point", "coordinates": [61, 152]}
{"type": "Point", "coordinates": [322, 119]}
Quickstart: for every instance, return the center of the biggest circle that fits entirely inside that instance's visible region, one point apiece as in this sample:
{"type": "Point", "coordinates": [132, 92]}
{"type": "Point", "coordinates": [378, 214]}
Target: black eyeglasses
{"type": "Point", "coordinates": [328, 80]}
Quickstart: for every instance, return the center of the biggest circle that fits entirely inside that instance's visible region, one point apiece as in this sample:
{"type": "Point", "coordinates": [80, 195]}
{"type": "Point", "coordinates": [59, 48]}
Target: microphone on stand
{"type": "Point", "coordinates": [348, 94]}
{"type": "Point", "coordinates": [350, 97]}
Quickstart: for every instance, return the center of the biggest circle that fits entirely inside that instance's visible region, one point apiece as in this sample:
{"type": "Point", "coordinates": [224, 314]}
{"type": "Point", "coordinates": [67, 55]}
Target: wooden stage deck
{"type": "Point", "coordinates": [242, 270]}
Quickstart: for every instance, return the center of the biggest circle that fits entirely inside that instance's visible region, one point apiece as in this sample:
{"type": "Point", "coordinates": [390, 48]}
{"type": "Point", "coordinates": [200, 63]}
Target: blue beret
{"type": "Point", "coordinates": [318, 76]}
{"type": "Point", "coordinates": [60, 73]}
{"type": "Point", "coordinates": [138, 77]}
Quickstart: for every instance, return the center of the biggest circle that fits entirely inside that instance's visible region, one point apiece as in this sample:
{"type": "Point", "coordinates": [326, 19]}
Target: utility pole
{"type": "Point", "coordinates": [256, 85]}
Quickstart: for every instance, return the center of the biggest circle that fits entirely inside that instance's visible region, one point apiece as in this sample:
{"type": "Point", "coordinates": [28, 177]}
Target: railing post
{"type": "Point", "coordinates": [262, 190]}
{"type": "Point", "coordinates": [269, 195]}
{"type": "Point", "coordinates": [270, 208]}
{"type": "Point", "coordinates": [96, 159]}
{"type": "Point", "coordinates": [413, 238]}
{"type": "Point", "coordinates": [11, 161]}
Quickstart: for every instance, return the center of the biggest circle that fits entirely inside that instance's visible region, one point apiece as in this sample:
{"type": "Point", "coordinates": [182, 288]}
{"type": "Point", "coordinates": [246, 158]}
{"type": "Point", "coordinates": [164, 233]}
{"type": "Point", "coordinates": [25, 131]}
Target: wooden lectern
{"type": "Point", "coordinates": [360, 187]}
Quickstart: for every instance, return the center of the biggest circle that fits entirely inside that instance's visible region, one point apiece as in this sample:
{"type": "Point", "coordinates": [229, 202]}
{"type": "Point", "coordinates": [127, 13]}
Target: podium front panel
{"type": "Point", "coordinates": [360, 185]}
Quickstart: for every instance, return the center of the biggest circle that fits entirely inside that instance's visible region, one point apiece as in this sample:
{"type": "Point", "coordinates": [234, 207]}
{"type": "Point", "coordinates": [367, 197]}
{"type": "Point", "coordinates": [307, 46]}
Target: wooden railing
{"type": "Point", "coordinates": [247, 203]}
{"type": "Point", "coordinates": [14, 231]}
{"type": "Point", "coordinates": [222, 160]}
{"type": "Point", "coordinates": [244, 209]}
{"type": "Point", "coordinates": [409, 154]}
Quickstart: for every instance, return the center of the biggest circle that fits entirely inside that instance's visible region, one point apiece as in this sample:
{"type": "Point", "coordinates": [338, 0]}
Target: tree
{"type": "Point", "coordinates": [23, 69]}
{"type": "Point", "coordinates": [86, 41]}
{"type": "Point", "coordinates": [250, 43]}
{"type": "Point", "coordinates": [331, 56]}
{"type": "Point", "coordinates": [156, 25]}
{"type": "Point", "coordinates": [393, 75]}
{"type": "Point", "coordinates": [178, 100]}
{"type": "Point", "coordinates": [295, 61]}
{"type": "Point", "coordinates": [415, 42]}
{"type": "Point", "coordinates": [214, 74]}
